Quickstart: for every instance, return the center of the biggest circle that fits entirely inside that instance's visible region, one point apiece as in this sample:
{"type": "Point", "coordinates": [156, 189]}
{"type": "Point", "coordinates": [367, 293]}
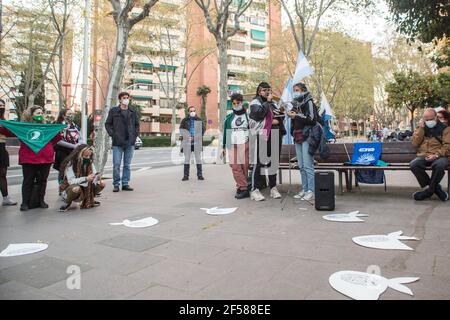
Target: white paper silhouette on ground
{"type": "Point", "coordinates": [219, 211]}
{"type": "Point", "coordinates": [390, 241]}
{"type": "Point", "coordinates": [142, 223]}
{"type": "Point", "coordinates": [345, 217]}
{"type": "Point", "coordinates": [367, 286]}
{"type": "Point", "coordinates": [18, 249]}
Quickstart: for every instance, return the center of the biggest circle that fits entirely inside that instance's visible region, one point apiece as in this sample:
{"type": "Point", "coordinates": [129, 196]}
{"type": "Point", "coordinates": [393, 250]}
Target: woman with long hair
{"type": "Point", "coordinates": [80, 179]}
{"type": "Point", "coordinates": [70, 137]}
{"type": "Point", "coordinates": [444, 117]}
{"type": "Point", "coordinates": [4, 162]}
{"type": "Point", "coordinates": [35, 166]}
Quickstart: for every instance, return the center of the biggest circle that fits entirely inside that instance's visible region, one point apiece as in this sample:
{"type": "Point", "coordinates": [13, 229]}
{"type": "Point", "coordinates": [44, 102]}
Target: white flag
{"type": "Point", "coordinates": [325, 107]}
{"type": "Point", "coordinates": [286, 96]}
{"type": "Point", "coordinates": [302, 69]}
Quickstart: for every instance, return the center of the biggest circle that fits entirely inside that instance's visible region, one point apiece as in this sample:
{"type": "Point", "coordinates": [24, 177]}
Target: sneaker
{"type": "Point", "coordinates": [256, 195]}
{"type": "Point", "coordinates": [96, 203]}
{"type": "Point", "coordinates": [7, 201]}
{"type": "Point", "coordinates": [274, 193]}
{"type": "Point", "coordinates": [127, 188]}
{"type": "Point", "coordinates": [243, 194]}
{"type": "Point", "coordinates": [300, 195]}
{"type": "Point", "coordinates": [185, 178]}
{"type": "Point", "coordinates": [422, 195]}
{"type": "Point", "coordinates": [24, 207]}
{"type": "Point", "coordinates": [442, 195]}
{"type": "Point", "coordinates": [201, 178]}
{"type": "Point", "coordinates": [116, 189]}
{"type": "Point", "coordinates": [64, 208]}
{"type": "Point", "coordinates": [309, 196]}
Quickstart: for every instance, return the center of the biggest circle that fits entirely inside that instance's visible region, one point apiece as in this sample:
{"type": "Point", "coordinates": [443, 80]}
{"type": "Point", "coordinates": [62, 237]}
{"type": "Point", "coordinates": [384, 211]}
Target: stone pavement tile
{"type": "Point", "coordinates": [307, 274]}
{"type": "Point", "coordinates": [191, 252]}
{"type": "Point", "coordinates": [440, 248]}
{"type": "Point", "coordinates": [176, 230]}
{"type": "Point", "coordinates": [133, 242]}
{"type": "Point", "coordinates": [3, 280]}
{"type": "Point", "coordinates": [40, 272]}
{"type": "Point", "coordinates": [14, 290]}
{"type": "Point", "coordinates": [221, 239]}
{"type": "Point", "coordinates": [178, 275]}
{"type": "Point", "coordinates": [326, 294]}
{"type": "Point", "coordinates": [100, 284]}
{"type": "Point", "coordinates": [118, 261]}
{"type": "Point", "coordinates": [158, 292]}
{"type": "Point", "coordinates": [442, 267]}
{"type": "Point", "coordinates": [235, 260]}
{"type": "Point", "coordinates": [251, 283]}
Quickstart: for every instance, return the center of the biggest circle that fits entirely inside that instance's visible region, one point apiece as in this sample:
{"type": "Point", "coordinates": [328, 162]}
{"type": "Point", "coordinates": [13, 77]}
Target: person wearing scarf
{"type": "Point", "coordinates": [80, 179]}
{"type": "Point", "coordinates": [35, 165]}
{"type": "Point", "coordinates": [303, 120]}
{"type": "Point", "coordinates": [235, 141]}
{"type": "Point", "coordinates": [265, 117]}
{"type": "Point", "coordinates": [432, 141]}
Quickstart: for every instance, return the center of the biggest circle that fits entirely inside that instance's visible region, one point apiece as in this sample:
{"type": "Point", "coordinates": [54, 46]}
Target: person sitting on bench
{"type": "Point", "coordinates": [432, 141]}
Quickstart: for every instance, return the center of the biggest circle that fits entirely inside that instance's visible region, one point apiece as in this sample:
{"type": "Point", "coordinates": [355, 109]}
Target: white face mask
{"type": "Point", "coordinates": [237, 108]}
{"type": "Point", "coordinates": [192, 114]}
{"type": "Point", "coordinates": [125, 102]}
{"type": "Point", "coordinates": [430, 123]}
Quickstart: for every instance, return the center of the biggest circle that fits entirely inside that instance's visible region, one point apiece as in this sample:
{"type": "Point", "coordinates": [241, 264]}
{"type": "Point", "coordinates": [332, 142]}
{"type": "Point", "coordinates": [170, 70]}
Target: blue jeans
{"type": "Point", "coordinates": [306, 165]}
{"type": "Point", "coordinates": [127, 153]}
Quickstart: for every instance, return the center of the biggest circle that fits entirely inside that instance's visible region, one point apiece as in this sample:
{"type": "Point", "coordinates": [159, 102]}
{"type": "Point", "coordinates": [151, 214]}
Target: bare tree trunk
{"type": "Point", "coordinates": [223, 66]}
{"type": "Point", "coordinates": [102, 140]}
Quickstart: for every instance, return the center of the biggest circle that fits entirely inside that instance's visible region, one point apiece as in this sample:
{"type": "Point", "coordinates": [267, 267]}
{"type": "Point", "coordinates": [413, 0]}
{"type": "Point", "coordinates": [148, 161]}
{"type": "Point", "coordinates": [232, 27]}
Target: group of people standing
{"type": "Point", "coordinates": [71, 156]}
{"type": "Point", "coordinates": [254, 137]}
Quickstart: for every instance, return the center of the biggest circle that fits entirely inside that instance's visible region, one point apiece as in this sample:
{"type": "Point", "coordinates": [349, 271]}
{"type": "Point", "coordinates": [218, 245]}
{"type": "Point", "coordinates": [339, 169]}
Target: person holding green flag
{"type": "Point", "coordinates": [36, 152]}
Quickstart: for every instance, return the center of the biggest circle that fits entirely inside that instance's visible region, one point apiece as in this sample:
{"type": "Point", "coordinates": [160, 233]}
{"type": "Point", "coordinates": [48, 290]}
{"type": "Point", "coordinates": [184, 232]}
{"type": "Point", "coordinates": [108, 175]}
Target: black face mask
{"type": "Point", "coordinates": [2, 111]}
{"type": "Point", "coordinates": [87, 161]}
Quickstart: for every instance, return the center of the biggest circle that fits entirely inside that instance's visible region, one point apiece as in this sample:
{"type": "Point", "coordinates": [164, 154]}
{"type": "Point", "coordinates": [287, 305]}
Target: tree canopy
{"type": "Point", "coordinates": [422, 19]}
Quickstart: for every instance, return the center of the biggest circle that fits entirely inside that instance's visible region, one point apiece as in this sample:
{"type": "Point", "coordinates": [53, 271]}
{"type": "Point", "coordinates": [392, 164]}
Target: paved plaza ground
{"type": "Point", "coordinates": [266, 250]}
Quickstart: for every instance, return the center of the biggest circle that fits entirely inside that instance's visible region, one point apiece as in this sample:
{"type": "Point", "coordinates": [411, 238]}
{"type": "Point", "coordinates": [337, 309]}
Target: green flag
{"type": "Point", "coordinates": [34, 135]}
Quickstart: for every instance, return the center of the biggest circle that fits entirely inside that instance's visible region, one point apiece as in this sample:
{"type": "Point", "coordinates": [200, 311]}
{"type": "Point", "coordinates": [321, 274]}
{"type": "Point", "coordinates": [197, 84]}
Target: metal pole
{"type": "Point", "coordinates": [86, 52]}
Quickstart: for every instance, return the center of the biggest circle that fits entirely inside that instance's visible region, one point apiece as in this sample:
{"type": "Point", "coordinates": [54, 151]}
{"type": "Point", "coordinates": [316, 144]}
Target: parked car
{"type": "Point", "coordinates": [138, 143]}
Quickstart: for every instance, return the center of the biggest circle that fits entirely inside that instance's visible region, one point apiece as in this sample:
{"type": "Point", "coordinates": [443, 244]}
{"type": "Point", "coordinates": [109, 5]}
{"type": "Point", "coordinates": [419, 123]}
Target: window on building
{"type": "Point", "coordinates": [258, 35]}
{"type": "Point", "coordinates": [258, 21]}
{"type": "Point", "coordinates": [236, 45]}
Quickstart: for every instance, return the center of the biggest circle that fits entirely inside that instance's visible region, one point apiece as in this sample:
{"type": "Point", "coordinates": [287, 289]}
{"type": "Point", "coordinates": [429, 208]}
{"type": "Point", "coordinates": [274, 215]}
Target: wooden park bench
{"type": "Point", "coordinates": [397, 154]}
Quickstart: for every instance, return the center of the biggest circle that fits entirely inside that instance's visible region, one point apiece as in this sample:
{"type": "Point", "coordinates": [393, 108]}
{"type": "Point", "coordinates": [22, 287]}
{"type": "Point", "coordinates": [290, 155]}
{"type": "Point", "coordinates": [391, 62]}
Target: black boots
{"type": "Point", "coordinates": [242, 194]}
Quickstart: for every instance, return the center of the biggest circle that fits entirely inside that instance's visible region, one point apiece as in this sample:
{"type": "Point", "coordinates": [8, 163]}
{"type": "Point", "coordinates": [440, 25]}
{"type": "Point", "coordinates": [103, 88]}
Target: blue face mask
{"type": "Point", "coordinates": [299, 95]}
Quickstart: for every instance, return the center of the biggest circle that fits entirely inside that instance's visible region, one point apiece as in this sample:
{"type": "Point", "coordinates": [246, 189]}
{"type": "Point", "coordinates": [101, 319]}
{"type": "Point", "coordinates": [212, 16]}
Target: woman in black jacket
{"type": "Point", "coordinates": [303, 117]}
{"type": "Point", "coordinates": [266, 122]}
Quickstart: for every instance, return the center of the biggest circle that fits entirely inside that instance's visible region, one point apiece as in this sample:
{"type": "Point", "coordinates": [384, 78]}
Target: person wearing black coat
{"type": "Point", "coordinates": [192, 129]}
{"type": "Point", "coordinates": [122, 125]}
{"type": "Point", "coordinates": [266, 121]}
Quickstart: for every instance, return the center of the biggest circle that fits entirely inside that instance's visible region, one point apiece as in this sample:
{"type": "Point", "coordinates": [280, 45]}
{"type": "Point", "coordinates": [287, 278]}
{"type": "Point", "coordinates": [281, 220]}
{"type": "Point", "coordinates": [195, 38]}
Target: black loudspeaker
{"type": "Point", "coordinates": [324, 190]}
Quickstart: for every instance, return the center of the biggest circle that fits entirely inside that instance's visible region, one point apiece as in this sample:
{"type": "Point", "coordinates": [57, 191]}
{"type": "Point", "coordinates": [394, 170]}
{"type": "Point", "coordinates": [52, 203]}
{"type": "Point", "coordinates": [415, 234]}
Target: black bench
{"type": "Point", "coordinates": [397, 154]}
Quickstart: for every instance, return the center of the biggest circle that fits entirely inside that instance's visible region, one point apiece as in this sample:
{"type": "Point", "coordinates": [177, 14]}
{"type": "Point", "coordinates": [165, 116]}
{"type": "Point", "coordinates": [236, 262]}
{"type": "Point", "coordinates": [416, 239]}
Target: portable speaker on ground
{"type": "Point", "coordinates": [324, 190]}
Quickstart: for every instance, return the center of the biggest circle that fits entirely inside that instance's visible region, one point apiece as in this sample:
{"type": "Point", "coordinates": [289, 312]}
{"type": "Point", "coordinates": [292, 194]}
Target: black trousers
{"type": "Point", "coordinates": [438, 167]}
{"type": "Point", "coordinates": [34, 173]}
{"type": "Point", "coordinates": [257, 175]}
{"type": "Point", "coordinates": [197, 153]}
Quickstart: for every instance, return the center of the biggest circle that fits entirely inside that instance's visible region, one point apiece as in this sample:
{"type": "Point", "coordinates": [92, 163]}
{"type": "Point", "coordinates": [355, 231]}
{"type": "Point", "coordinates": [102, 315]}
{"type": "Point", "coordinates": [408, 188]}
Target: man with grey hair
{"type": "Point", "coordinates": [432, 141]}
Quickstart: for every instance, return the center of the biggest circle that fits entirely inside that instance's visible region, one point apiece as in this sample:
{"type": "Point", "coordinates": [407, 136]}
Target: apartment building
{"type": "Point", "coordinates": [249, 55]}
